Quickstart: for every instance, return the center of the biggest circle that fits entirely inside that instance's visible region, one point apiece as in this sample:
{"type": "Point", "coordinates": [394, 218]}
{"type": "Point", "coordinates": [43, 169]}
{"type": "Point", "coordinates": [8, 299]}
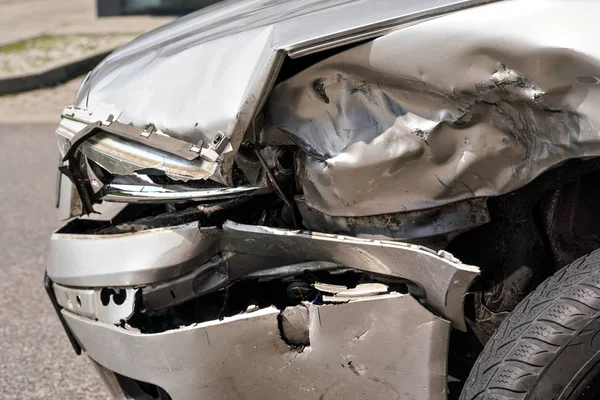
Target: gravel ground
{"type": "Point", "coordinates": [36, 359]}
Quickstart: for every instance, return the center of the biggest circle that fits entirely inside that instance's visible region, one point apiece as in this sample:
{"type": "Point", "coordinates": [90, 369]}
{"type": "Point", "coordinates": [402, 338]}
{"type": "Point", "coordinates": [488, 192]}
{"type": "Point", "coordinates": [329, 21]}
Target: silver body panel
{"type": "Point", "coordinates": [476, 103]}
{"type": "Point", "coordinates": [209, 73]}
{"type": "Point", "coordinates": [126, 259]}
{"type": "Point", "coordinates": [385, 347]}
{"type": "Point", "coordinates": [440, 105]}
{"type": "Point", "coordinates": [382, 132]}
{"type": "Point", "coordinates": [155, 255]}
{"type": "Point", "coordinates": [419, 224]}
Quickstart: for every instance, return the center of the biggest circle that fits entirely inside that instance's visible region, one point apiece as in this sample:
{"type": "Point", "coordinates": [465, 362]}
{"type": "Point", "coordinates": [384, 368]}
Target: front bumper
{"type": "Point", "coordinates": [371, 344]}
{"type": "Point", "coordinates": [381, 348]}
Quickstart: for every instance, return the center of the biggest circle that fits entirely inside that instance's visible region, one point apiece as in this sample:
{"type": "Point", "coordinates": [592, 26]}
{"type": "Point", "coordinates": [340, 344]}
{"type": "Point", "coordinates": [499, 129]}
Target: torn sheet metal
{"type": "Point", "coordinates": [362, 290]}
{"type": "Point", "coordinates": [296, 269]}
{"type": "Point", "coordinates": [472, 104]}
{"type": "Point", "coordinates": [167, 253]}
{"type": "Point", "coordinates": [111, 305]}
{"type": "Point", "coordinates": [221, 271]}
{"type": "Point", "coordinates": [419, 224]}
{"type": "Point", "coordinates": [388, 346]}
{"type": "Point", "coordinates": [444, 278]}
{"type": "Point", "coordinates": [342, 294]}
{"type": "Point", "coordinates": [207, 278]}
{"type": "Point", "coordinates": [69, 204]}
{"type": "Point", "coordinates": [209, 73]}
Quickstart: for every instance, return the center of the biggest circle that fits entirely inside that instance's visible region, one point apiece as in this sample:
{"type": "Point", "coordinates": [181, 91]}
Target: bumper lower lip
{"type": "Point", "coordinates": [385, 347]}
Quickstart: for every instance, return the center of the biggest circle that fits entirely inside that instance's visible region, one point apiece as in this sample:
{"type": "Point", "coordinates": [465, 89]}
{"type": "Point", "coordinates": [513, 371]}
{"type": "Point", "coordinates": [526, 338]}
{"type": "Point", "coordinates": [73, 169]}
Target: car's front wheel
{"type": "Point", "coordinates": [549, 346]}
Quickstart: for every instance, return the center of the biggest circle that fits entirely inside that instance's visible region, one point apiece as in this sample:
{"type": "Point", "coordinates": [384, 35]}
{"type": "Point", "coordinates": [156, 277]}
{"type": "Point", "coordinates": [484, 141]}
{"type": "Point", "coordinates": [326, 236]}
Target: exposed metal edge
{"type": "Point", "coordinates": [254, 106]}
{"type": "Point", "coordinates": [105, 120]}
{"type": "Point", "coordinates": [88, 302]}
{"type": "Point", "coordinates": [296, 269]}
{"type": "Point", "coordinates": [124, 193]}
{"type": "Point", "coordinates": [372, 31]}
{"type": "Point", "coordinates": [172, 146]}
{"type": "Point", "coordinates": [219, 272]}
{"type": "Point", "coordinates": [406, 350]}
{"type": "Point", "coordinates": [443, 277]}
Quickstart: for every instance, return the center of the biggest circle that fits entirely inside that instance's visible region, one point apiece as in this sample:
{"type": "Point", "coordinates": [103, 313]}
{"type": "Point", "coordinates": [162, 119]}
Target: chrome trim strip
{"type": "Point", "coordinates": [127, 193]}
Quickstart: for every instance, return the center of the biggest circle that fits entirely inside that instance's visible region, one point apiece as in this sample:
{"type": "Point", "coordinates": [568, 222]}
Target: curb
{"type": "Point", "coordinates": [53, 75]}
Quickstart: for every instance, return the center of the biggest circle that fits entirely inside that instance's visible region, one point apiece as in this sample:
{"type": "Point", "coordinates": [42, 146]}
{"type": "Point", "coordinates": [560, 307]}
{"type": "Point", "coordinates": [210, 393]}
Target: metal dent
{"type": "Point", "coordinates": [238, 53]}
{"type": "Point", "coordinates": [345, 357]}
{"type": "Point", "coordinates": [205, 279]}
{"type": "Point", "coordinates": [220, 272]}
{"type": "Point", "coordinates": [382, 137]}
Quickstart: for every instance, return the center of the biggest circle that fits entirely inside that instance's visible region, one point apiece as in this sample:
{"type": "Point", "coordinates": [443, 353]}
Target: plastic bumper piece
{"type": "Point", "coordinates": [384, 347]}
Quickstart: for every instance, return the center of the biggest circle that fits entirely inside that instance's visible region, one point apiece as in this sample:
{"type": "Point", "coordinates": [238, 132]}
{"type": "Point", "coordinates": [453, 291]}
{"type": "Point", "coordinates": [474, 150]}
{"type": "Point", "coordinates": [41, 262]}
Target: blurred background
{"type": "Point", "coordinates": [46, 48]}
{"type": "Point", "coordinates": [165, 7]}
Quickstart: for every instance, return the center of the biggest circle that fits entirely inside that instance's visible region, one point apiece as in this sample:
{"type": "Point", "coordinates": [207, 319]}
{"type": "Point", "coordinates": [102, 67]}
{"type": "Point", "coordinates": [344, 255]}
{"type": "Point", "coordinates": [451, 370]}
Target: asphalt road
{"type": "Point", "coordinates": [36, 359]}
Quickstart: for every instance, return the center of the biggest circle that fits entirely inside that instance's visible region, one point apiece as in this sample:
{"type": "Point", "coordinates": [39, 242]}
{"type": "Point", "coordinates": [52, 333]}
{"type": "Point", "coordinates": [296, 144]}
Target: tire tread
{"type": "Point", "coordinates": [538, 328]}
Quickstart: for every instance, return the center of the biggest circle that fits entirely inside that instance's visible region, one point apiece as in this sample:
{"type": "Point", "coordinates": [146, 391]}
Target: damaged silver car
{"type": "Point", "coordinates": [339, 199]}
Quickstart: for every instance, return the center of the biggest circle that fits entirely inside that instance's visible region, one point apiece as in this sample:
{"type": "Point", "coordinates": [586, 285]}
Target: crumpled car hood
{"type": "Point", "coordinates": [477, 103]}
{"type": "Point", "coordinates": [206, 75]}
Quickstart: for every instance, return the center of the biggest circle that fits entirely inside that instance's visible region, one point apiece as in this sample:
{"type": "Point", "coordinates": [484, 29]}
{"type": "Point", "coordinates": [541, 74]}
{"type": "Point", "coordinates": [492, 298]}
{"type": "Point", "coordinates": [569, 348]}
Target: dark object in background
{"type": "Point", "coordinates": [109, 8]}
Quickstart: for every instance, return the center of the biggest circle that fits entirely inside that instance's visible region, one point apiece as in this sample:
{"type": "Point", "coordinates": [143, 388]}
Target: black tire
{"type": "Point", "coordinates": [548, 348]}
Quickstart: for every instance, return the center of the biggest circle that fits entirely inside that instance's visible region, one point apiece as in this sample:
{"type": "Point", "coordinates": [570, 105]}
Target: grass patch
{"type": "Point", "coordinates": [35, 53]}
{"type": "Point", "coordinates": [39, 42]}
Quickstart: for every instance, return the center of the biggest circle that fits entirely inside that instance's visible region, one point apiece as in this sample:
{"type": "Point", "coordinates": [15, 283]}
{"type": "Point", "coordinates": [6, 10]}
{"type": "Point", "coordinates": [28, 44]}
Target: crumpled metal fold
{"type": "Point", "coordinates": [472, 104]}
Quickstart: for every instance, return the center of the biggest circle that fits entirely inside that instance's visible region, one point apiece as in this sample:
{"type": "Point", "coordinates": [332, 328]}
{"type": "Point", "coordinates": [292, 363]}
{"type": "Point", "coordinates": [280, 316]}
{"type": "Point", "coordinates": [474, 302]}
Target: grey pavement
{"type": "Point", "coordinates": [36, 359]}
